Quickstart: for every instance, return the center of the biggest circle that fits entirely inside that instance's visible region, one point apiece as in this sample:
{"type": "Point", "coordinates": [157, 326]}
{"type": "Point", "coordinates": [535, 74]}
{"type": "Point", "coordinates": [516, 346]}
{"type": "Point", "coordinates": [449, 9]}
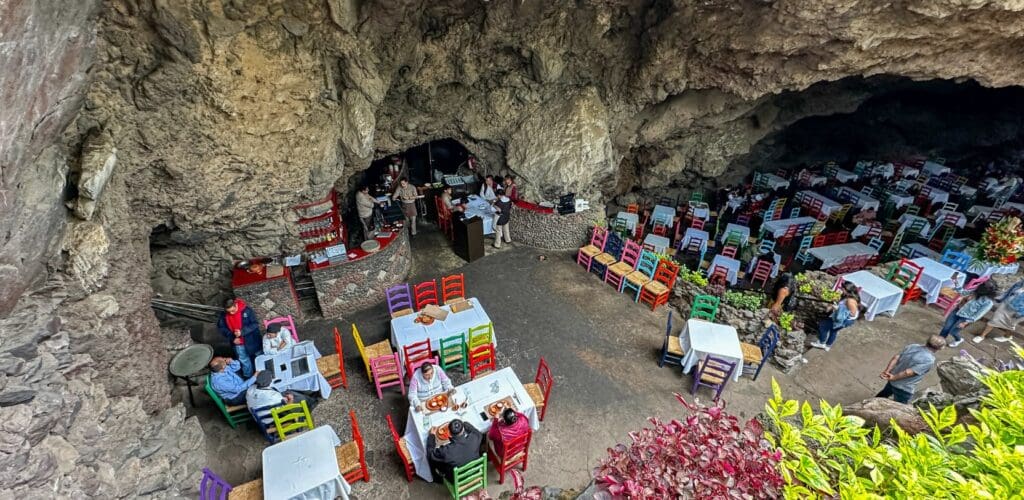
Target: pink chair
{"type": "Point", "coordinates": [286, 322]}
{"type": "Point", "coordinates": [386, 373]}
{"type": "Point", "coordinates": [947, 301]}
{"type": "Point", "coordinates": [616, 272]}
{"type": "Point", "coordinates": [975, 283]}
{"type": "Point", "coordinates": [587, 253]}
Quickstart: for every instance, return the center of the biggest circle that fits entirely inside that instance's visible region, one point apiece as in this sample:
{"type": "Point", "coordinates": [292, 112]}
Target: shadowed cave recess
{"type": "Point", "coordinates": [147, 145]}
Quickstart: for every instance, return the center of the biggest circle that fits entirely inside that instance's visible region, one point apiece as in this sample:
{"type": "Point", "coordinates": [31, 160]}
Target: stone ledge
{"type": "Point", "coordinates": [352, 286]}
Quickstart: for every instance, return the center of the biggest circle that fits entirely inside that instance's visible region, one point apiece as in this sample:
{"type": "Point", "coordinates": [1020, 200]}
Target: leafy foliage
{"type": "Point", "coordinates": [1002, 243]}
{"type": "Point", "coordinates": [829, 454]}
{"type": "Point", "coordinates": [801, 278]}
{"type": "Point", "coordinates": [707, 455]}
{"type": "Point", "coordinates": [740, 300]}
{"type": "Point", "coordinates": [805, 288]}
{"type": "Point", "coordinates": [694, 277]}
{"type": "Point", "coordinates": [830, 295]}
{"type": "Point", "coordinates": [786, 321]}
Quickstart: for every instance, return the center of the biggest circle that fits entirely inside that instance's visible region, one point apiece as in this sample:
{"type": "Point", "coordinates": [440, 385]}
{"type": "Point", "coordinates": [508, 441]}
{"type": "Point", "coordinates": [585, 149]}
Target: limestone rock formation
{"type": "Point", "coordinates": [882, 412]}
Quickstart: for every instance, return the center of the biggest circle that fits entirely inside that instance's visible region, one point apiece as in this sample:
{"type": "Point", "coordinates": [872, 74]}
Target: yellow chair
{"type": "Point", "coordinates": [292, 419]}
{"type": "Point", "coordinates": [382, 348]}
{"type": "Point", "coordinates": [480, 335]}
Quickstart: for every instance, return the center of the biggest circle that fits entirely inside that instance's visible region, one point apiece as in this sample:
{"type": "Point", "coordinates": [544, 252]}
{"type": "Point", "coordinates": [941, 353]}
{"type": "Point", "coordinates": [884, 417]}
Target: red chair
{"type": "Point", "coordinates": [513, 453]}
{"type": "Point", "coordinates": [586, 254]}
{"type": "Point", "coordinates": [540, 389]}
{"type": "Point", "coordinates": [660, 229]}
{"type": "Point", "coordinates": [638, 233]}
{"type": "Point", "coordinates": [386, 373]}
{"type": "Point", "coordinates": [352, 455]}
{"type": "Point", "coordinates": [425, 293]}
{"type": "Point", "coordinates": [729, 251]}
{"type": "Point", "coordinates": [415, 354]}
{"type": "Point", "coordinates": [947, 300]}
{"type": "Point", "coordinates": [332, 366]}
{"type": "Point", "coordinates": [905, 275]}
{"type": "Point", "coordinates": [482, 361]}
{"type": "Point", "coordinates": [719, 275]}
{"type": "Point", "coordinates": [656, 291]}
{"type": "Point", "coordinates": [453, 287]}
{"type": "Point", "coordinates": [402, 449]}
{"type": "Point", "coordinates": [444, 218]}
{"type": "Point", "coordinates": [633, 208]}
{"type": "Point", "coordinates": [762, 272]}
{"type": "Point", "coordinates": [820, 241]}
{"type": "Point", "coordinates": [791, 232]}
{"type": "Point", "coordinates": [697, 223]}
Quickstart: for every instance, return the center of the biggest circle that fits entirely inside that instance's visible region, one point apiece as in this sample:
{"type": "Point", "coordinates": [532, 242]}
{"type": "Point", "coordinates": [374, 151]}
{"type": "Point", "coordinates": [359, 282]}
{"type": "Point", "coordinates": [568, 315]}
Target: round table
{"type": "Point", "coordinates": [190, 362]}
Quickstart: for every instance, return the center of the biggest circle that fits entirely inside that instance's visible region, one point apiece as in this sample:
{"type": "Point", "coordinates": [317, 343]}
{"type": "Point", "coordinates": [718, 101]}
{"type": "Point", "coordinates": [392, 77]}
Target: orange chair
{"type": "Point", "coordinates": [425, 293]}
{"type": "Point", "coordinates": [513, 453]}
{"type": "Point", "coordinates": [332, 366]}
{"type": "Point", "coordinates": [416, 354]}
{"type": "Point", "coordinates": [633, 208]}
{"type": "Point", "coordinates": [540, 389]}
{"type": "Point", "coordinates": [453, 287]}
{"type": "Point", "coordinates": [402, 448]}
{"type": "Point", "coordinates": [482, 361]}
{"type": "Point", "coordinates": [656, 291]}
{"type": "Point", "coordinates": [352, 455]}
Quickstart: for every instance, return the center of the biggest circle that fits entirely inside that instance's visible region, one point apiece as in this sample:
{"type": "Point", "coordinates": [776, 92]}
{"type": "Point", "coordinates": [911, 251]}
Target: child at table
{"type": "Point", "coordinates": [277, 340]}
{"type": "Point", "coordinates": [968, 313]}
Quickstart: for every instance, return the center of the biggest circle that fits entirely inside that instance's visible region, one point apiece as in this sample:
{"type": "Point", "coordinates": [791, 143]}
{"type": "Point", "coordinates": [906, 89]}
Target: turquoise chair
{"type": "Point", "coordinates": [645, 268]}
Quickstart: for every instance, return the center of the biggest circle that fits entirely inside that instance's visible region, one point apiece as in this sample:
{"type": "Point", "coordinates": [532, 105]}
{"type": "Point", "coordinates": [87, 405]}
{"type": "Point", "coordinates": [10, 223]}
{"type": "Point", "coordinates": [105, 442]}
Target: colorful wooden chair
{"type": "Point", "coordinates": [586, 254]}
{"type": "Point", "coordinates": [482, 360]}
{"type": "Point", "coordinates": [729, 251]}
{"type": "Point", "coordinates": [704, 307]}
{"type": "Point", "coordinates": [425, 293]}
{"type": "Point", "coordinates": [286, 322]}
{"type": "Point", "coordinates": [352, 455]}
{"type": "Point", "coordinates": [234, 414]}
{"type": "Point", "coordinates": [453, 287]}
{"type": "Point", "coordinates": [957, 260]}
{"type": "Point", "coordinates": [332, 366]}
{"type": "Point", "coordinates": [452, 352]}
{"type": "Point", "coordinates": [714, 373]}
{"type": "Point", "coordinates": [400, 300]}
{"type": "Point", "coordinates": [616, 272]}
{"type": "Point", "coordinates": [762, 272]}
{"type": "Point", "coordinates": [905, 275]}
{"type": "Point", "coordinates": [265, 422]}
{"type": "Point", "coordinates": [479, 335]}
{"type": "Point", "coordinates": [947, 300]}
{"type": "Point", "coordinates": [657, 291]}
{"type": "Point", "coordinates": [402, 448]}
{"type": "Point", "coordinates": [468, 478]}
{"type": "Point", "coordinates": [213, 487]}
{"type": "Point", "coordinates": [415, 354]}
{"type": "Point", "coordinates": [610, 255]}
{"type": "Point", "coordinates": [756, 355]}
{"type": "Point", "coordinates": [382, 348]}
{"type": "Point", "coordinates": [515, 452]}
{"type": "Point", "coordinates": [671, 350]}
{"type": "Point", "coordinates": [292, 419]}
{"type": "Point", "coordinates": [387, 373]}
{"type": "Point", "coordinates": [643, 274]}
{"type": "Point", "coordinates": [540, 389]}
{"type": "Point", "coordinates": [633, 208]}
{"type": "Point", "coordinates": [876, 243]}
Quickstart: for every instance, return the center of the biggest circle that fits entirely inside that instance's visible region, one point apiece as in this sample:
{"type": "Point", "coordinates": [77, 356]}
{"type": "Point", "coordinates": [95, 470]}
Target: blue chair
{"type": "Point", "coordinates": [801, 253]}
{"type": "Point", "coordinates": [756, 355]}
{"type": "Point", "coordinates": [876, 244]}
{"type": "Point", "coordinates": [767, 246]}
{"type": "Point", "coordinates": [671, 349]}
{"type": "Point", "coordinates": [611, 254]}
{"type": "Point", "coordinates": [957, 260]}
{"type": "Point", "coordinates": [645, 268]}
{"type": "Point", "coordinates": [265, 422]}
{"type": "Point", "coordinates": [794, 212]}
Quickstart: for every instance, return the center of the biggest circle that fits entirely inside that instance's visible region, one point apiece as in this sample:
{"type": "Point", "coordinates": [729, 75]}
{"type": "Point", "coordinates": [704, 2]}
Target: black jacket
{"type": "Point", "coordinates": [506, 211]}
{"type": "Point", "coordinates": [459, 451]}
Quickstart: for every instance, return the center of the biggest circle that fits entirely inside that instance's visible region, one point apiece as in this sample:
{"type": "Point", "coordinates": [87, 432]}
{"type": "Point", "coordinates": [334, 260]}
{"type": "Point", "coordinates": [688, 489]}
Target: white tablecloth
{"type": "Point", "coordinates": [776, 182]}
{"type": "Point", "coordinates": [933, 277]}
{"type": "Point", "coordinates": [480, 392]}
{"type": "Point", "coordinates": [901, 199]}
{"type": "Point", "coordinates": [933, 168]}
{"type": "Point", "coordinates": [778, 227]}
{"type": "Point", "coordinates": [744, 232]}
{"type": "Point", "coordinates": [405, 330]}
{"type": "Point", "coordinates": [911, 171]}
{"type": "Point", "coordinates": [304, 467]}
{"type": "Point", "coordinates": [818, 180]}
{"type": "Point", "coordinates": [939, 196]}
{"type": "Point", "coordinates": [478, 207]}
{"type": "Point", "coordinates": [313, 383]}
{"type": "Point", "coordinates": [700, 210]}
{"type": "Point", "coordinates": [877, 295]}
{"type": "Point", "coordinates": [919, 250]}
{"type": "Point", "coordinates": [834, 254]}
{"type": "Point", "coordinates": [731, 264]}
{"type": "Point", "coordinates": [961, 219]}
{"type": "Point", "coordinates": [988, 268]}
{"type": "Point", "coordinates": [886, 170]}
{"type": "Point", "coordinates": [660, 243]}
{"type": "Point", "coordinates": [775, 266]}
{"type": "Point", "coordinates": [967, 190]}
{"type": "Point", "coordinates": [845, 176]}
{"type": "Point", "coordinates": [828, 205]}
{"type": "Point", "coordinates": [907, 219]}
{"type": "Point", "coordinates": [666, 214]}
{"type": "Point", "coordinates": [864, 202]}
{"type": "Point", "coordinates": [692, 233]}
{"type": "Point", "coordinates": [630, 218]}
{"type": "Point", "coordinates": [700, 338]}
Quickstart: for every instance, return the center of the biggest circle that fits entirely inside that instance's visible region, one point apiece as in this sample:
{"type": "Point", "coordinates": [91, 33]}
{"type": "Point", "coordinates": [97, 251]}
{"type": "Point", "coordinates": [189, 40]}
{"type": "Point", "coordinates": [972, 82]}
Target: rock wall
{"type": "Point", "coordinates": [272, 298]}
{"type": "Point", "coordinates": [553, 231]}
{"type": "Point", "coordinates": [349, 287]}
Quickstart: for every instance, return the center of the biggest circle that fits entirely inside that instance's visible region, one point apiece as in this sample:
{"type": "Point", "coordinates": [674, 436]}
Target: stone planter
{"type": "Point", "coordinates": [553, 231]}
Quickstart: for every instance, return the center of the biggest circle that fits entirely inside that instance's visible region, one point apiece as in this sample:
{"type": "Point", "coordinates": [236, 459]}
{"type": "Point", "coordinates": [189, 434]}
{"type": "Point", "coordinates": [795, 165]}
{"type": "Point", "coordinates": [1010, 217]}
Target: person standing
{"type": "Point", "coordinates": [846, 312]}
{"type": "Point", "coordinates": [408, 195]}
{"type": "Point", "coordinates": [907, 368]}
{"type": "Point", "coordinates": [503, 207]}
{"type": "Point", "coordinates": [783, 293]}
{"type": "Point", "coordinates": [511, 190]}
{"type": "Point", "coordinates": [1007, 316]}
{"type": "Point", "coordinates": [364, 207]}
{"type": "Point", "coordinates": [968, 313]}
{"type": "Point", "coordinates": [238, 324]}
{"type": "Point", "coordinates": [487, 189]}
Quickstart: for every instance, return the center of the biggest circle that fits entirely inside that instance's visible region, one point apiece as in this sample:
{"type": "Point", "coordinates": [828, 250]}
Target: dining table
{"type": "Point", "coordinates": [828, 205]}
{"type": "Point", "coordinates": [304, 467]}
{"type": "Point", "coordinates": [630, 219]}
{"type": "Point", "coordinates": [934, 276]}
{"type": "Point", "coordinates": [295, 369]}
{"type": "Point", "coordinates": [663, 213]}
{"type": "Point", "coordinates": [700, 338]}
{"type": "Point", "coordinates": [657, 243]}
{"type": "Point", "coordinates": [775, 182]}
{"type": "Point", "coordinates": [731, 265]}
{"type": "Point", "coordinates": [934, 168]}
{"type": "Point", "coordinates": [844, 176]}
{"type": "Point", "coordinates": [698, 234]}
{"type": "Point", "coordinates": [405, 330]}
{"type": "Point", "coordinates": [479, 207]}
{"type": "Point", "coordinates": [876, 294]}
{"type": "Point", "coordinates": [831, 255]}
{"type": "Point", "coordinates": [479, 395]}
{"type": "Point", "coordinates": [742, 231]}
{"type": "Point", "coordinates": [864, 202]}
{"type": "Point", "coordinates": [778, 227]}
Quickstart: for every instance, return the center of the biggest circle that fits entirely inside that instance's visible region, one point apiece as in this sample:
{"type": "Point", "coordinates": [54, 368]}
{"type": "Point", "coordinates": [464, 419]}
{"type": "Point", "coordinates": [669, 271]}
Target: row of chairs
{"type": "Point", "coordinates": [629, 267]}
{"type": "Point", "coordinates": [403, 298]}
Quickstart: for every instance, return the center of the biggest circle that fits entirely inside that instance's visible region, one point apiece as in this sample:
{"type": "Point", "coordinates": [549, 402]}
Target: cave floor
{"type": "Point", "coordinates": [602, 349]}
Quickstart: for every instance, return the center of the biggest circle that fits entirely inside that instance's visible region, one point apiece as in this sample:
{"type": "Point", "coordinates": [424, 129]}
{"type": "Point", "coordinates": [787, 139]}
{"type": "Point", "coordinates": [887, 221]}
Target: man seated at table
{"type": "Point", "coordinates": [277, 340]}
{"type": "Point", "coordinates": [428, 381]}
{"type": "Point", "coordinates": [449, 203]}
{"type": "Point", "coordinates": [261, 395]}
{"type": "Point", "coordinates": [464, 446]}
{"type": "Point", "coordinates": [225, 381]}
{"type": "Point", "coordinates": [507, 427]}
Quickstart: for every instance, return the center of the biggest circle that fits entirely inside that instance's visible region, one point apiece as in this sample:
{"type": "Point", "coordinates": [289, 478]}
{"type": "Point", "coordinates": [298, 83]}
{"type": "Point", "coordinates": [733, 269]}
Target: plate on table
{"type": "Point", "coordinates": [443, 433]}
{"type": "Point", "coordinates": [494, 409]}
{"type": "Point", "coordinates": [437, 402]}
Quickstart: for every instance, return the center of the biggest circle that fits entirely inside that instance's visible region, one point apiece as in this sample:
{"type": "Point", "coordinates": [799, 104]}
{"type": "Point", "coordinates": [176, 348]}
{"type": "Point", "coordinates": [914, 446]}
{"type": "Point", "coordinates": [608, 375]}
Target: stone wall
{"type": "Point", "coordinates": [349, 287]}
{"type": "Point", "coordinates": [272, 298]}
{"type": "Point", "coordinates": [553, 231]}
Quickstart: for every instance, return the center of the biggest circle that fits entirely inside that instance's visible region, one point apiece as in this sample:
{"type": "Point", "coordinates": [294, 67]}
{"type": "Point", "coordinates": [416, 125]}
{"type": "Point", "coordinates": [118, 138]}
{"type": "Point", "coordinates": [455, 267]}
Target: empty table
{"type": "Point", "coordinates": [933, 168]}
{"type": "Point", "coordinates": [834, 254]}
{"type": "Point", "coordinates": [901, 199]}
{"type": "Point", "coordinates": [304, 467]}
{"type": "Point", "coordinates": [877, 295]}
{"type": "Point", "coordinates": [659, 243]}
{"type": "Point", "coordinates": [845, 176]}
{"type": "Point", "coordinates": [700, 338]}
{"type": "Point", "coordinates": [775, 266]}
{"type": "Point", "coordinates": [967, 190]}
{"type": "Point", "coordinates": [918, 250]}
{"type": "Point", "coordinates": [742, 231]}
{"type": "Point", "coordinates": [864, 202]}
{"type": "Point", "coordinates": [934, 276]}
{"type": "Point", "coordinates": [775, 182]}
{"type": "Point", "coordinates": [817, 180]}
{"type": "Point", "coordinates": [906, 220]}
{"type": "Point", "coordinates": [961, 219]}
{"type": "Point", "coordinates": [911, 171]}
{"type": "Point", "coordinates": [778, 227]}
{"type": "Point", "coordinates": [189, 363]}
{"type": "Point", "coordinates": [700, 210]}
{"type": "Point", "coordinates": [664, 214]}
{"type": "Point", "coordinates": [694, 233]}
{"type": "Point", "coordinates": [405, 330]}
{"type": "Point", "coordinates": [631, 220]}
{"type": "Point", "coordinates": [828, 205]}
{"type": "Point", "coordinates": [730, 264]}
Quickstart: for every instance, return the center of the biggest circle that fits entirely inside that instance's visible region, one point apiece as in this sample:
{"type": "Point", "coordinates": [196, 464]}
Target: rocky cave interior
{"type": "Point", "coordinates": [147, 144]}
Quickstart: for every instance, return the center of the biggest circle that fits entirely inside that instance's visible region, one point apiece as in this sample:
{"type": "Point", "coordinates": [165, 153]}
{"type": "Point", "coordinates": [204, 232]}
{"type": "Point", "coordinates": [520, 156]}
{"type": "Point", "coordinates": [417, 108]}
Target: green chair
{"type": "Point", "coordinates": [480, 335]}
{"type": "Point", "coordinates": [704, 307]}
{"type": "Point", "coordinates": [697, 196]}
{"type": "Point", "coordinates": [292, 419]}
{"type": "Point", "coordinates": [452, 352]}
{"type": "Point", "coordinates": [469, 478]}
{"type": "Point", "coordinates": [234, 414]}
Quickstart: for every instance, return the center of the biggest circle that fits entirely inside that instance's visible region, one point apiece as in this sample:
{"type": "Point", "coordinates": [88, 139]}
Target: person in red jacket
{"type": "Point", "coordinates": [508, 426]}
{"type": "Point", "coordinates": [238, 324]}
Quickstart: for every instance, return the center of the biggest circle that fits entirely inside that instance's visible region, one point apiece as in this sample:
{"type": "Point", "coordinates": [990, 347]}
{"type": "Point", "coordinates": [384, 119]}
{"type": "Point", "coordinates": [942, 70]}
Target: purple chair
{"type": "Point", "coordinates": [212, 487]}
{"type": "Point", "coordinates": [714, 373]}
{"type": "Point", "coordinates": [400, 300]}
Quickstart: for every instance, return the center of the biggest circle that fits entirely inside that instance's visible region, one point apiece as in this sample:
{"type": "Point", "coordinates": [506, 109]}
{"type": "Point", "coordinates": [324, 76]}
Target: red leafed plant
{"type": "Point", "coordinates": [709, 454]}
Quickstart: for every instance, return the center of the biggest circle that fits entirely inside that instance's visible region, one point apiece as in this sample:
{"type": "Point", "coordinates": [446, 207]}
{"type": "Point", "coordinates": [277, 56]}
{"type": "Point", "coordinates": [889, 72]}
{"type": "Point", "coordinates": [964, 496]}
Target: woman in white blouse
{"type": "Point", "coordinates": [487, 189]}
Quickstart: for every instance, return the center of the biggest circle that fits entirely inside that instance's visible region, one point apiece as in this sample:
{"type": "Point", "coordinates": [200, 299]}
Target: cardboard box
{"type": "Point", "coordinates": [434, 312]}
{"type": "Point", "coordinates": [460, 305]}
{"type": "Point", "coordinates": [274, 270]}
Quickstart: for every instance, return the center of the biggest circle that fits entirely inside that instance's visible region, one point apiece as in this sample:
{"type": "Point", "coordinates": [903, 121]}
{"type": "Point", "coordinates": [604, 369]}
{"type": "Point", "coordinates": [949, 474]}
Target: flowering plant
{"type": "Point", "coordinates": [1002, 243]}
{"type": "Point", "coordinates": [709, 454]}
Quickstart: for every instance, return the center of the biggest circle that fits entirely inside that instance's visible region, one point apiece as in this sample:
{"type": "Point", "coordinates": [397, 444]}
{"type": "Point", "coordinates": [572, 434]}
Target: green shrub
{"type": "Point", "coordinates": [805, 288]}
{"type": "Point", "coordinates": [830, 295]}
{"type": "Point", "coordinates": [786, 321]}
{"type": "Point", "coordinates": [801, 278]}
{"type": "Point", "coordinates": [746, 301]}
{"type": "Point", "coordinates": [694, 277]}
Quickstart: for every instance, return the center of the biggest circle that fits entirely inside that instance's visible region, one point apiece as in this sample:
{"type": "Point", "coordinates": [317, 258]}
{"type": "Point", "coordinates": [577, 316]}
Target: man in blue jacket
{"type": "Point", "coordinates": [238, 324]}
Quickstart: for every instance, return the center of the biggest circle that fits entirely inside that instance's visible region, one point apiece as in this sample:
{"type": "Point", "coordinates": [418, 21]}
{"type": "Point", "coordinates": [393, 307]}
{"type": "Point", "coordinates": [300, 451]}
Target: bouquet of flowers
{"type": "Point", "coordinates": [1002, 243]}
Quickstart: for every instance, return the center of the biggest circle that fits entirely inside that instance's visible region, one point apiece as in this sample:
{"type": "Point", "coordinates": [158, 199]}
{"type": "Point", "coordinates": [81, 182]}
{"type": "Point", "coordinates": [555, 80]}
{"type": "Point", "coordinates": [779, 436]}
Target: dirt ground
{"type": "Point", "coordinates": [602, 349]}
